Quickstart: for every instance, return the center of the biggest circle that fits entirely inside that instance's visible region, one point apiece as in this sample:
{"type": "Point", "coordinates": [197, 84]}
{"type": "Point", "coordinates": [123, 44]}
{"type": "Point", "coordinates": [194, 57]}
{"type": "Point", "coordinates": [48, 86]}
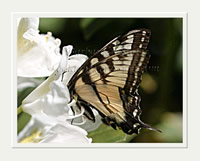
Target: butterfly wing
{"type": "Point", "coordinates": [108, 81]}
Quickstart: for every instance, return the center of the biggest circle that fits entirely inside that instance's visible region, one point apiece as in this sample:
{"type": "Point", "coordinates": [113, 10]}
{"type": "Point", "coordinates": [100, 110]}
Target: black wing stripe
{"type": "Point", "coordinates": [99, 56]}
{"type": "Point", "coordinates": [130, 67]}
{"type": "Point", "coordinates": [137, 67]}
{"type": "Point", "coordinates": [109, 80]}
{"type": "Point", "coordinates": [121, 41]}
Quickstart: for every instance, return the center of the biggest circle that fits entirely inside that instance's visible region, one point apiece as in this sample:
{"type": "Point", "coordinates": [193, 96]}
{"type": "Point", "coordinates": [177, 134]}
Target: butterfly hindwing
{"type": "Point", "coordinates": [108, 81]}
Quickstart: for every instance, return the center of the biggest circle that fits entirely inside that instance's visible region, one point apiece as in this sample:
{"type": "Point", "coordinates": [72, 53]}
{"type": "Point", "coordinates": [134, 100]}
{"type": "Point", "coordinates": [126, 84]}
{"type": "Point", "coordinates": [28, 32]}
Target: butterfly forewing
{"type": "Point", "coordinates": [133, 40]}
{"type": "Point", "coordinates": [108, 81]}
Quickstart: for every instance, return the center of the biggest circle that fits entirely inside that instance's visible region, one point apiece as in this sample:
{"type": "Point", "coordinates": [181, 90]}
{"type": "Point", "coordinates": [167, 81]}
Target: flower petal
{"type": "Point", "coordinates": [54, 103]}
{"type": "Point", "coordinates": [64, 60]}
{"type": "Point", "coordinates": [40, 91]}
{"type": "Point", "coordinates": [24, 25]}
{"type": "Point", "coordinates": [47, 130]}
{"type": "Point", "coordinates": [66, 134]}
{"type": "Point", "coordinates": [38, 54]}
{"type": "Point", "coordinates": [74, 63]}
{"type": "Point", "coordinates": [48, 105]}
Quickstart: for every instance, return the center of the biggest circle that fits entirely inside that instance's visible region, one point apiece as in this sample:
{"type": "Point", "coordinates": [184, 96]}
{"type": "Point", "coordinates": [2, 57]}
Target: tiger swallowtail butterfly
{"type": "Point", "coordinates": [109, 80]}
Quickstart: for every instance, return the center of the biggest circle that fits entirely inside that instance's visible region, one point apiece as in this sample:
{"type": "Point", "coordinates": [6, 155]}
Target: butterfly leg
{"type": "Point", "coordinates": [88, 111]}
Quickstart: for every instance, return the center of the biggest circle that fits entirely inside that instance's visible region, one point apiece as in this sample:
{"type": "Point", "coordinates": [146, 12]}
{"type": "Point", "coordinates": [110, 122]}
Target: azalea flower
{"type": "Point", "coordinates": [38, 55]}
{"type": "Point", "coordinates": [45, 130]}
{"type": "Point", "coordinates": [50, 109]}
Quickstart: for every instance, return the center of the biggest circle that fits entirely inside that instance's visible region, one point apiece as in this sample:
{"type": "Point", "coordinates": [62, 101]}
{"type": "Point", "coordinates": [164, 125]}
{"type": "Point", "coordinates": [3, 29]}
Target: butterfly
{"type": "Point", "coordinates": [108, 82]}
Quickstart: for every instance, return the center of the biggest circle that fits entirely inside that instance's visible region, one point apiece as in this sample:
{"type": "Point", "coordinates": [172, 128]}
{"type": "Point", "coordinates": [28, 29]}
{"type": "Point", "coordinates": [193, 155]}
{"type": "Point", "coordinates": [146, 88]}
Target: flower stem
{"type": "Point", "coordinates": [19, 110]}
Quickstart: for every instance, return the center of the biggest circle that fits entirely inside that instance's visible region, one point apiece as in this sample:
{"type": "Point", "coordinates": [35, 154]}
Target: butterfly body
{"type": "Point", "coordinates": [109, 80]}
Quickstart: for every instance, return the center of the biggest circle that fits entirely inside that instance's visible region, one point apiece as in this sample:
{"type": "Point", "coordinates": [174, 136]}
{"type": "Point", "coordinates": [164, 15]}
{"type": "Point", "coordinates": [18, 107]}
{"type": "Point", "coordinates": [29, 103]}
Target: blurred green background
{"type": "Point", "coordinates": [161, 88]}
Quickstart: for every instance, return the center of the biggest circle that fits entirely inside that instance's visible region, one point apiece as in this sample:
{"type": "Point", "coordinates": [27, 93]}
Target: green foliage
{"type": "Point", "coordinates": [22, 120]}
{"type": "Point", "coordinates": [85, 22]}
{"type": "Point", "coordinates": [106, 134]}
{"type": "Point", "coordinates": [54, 25]}
{"type": "Point", "coordinates": [90, 26]}
{"type": "Point", "coordinates": [172, 125]}
{"type": "Point", "coordinates": [22, 94]}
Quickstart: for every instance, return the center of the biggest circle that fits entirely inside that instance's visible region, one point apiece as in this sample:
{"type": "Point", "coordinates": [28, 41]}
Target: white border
{"type": "Point", "coordinates": [14, 17]}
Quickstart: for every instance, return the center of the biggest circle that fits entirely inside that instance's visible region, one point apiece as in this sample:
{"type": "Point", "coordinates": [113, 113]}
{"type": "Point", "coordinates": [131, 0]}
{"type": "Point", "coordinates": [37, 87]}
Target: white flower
{"type": "Point", "coordinates": [48, 106]}
{"type": "Point", "coordinates": [75, 61]}
{"type": "Point", "coordinates": [46, 130]}
{"type": "Point", "coordinates": [37, 54]}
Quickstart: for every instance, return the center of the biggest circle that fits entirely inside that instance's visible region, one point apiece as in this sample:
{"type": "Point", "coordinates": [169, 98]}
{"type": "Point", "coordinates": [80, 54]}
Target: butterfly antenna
{"type": "Point", "coordinates": [149, 127]}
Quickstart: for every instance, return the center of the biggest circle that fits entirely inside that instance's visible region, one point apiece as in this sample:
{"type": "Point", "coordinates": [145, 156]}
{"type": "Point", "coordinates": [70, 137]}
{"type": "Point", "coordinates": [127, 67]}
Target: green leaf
{"type": "Point", "coordinates": [85, 22]}
{"type": "Point", "coordinates": [23, 94]}
{"type": "Point", "coordinates": [90, 26]}
{"type": "Point", "coordinates": [106, 134]}
{"type": "Point", "coordinates": [54, 25]}
{"type": "Point", "coordinates": [22, 120]}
